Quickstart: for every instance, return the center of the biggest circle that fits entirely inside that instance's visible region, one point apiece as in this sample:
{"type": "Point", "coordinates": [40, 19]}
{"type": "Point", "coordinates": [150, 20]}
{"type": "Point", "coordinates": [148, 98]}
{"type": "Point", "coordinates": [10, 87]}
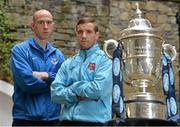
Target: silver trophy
{"type": "Point", "coordinates": [141, 55]}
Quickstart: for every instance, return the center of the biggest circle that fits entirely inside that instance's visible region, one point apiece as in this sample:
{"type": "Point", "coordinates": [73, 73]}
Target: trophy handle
{"type": "Point", "coordinates": [107, 42]}
{"type": "Point", "coordinates": [167, 47]}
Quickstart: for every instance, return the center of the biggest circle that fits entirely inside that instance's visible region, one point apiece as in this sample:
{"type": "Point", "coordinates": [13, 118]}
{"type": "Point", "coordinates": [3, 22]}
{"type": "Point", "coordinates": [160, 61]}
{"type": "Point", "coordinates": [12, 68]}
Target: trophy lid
{"type": "Point", "coordinates": [139, 27]}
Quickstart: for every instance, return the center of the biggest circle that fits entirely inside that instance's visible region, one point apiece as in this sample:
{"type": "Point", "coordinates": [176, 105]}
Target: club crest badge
{"type": "Point", "coordinates": [54, 61]}
{"type": "Point", "coordinates": [91, 66]}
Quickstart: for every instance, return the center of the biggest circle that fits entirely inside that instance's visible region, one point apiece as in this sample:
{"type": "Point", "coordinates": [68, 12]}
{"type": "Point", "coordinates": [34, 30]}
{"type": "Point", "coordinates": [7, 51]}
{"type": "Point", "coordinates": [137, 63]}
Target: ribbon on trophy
{"type": "Point", "coordinates": [168, 85]}
{"type": "Point", "coordinates": [118, 100]}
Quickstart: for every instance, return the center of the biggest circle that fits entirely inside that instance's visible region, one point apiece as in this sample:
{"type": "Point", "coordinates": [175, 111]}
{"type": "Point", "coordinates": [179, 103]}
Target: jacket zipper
{"type": "Point", "coordinates": [79, 79]}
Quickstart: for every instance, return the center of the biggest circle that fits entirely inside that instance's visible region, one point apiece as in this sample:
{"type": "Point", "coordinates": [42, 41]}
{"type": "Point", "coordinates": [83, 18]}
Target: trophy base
{"type": "Point", "coordinates": [144, 106]}
{"type": "Point", "coordinates": [141, 122]}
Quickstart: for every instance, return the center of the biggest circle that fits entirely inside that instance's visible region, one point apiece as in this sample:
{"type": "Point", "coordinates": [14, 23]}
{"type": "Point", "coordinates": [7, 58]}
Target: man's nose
{"type": "Point", "coordinates": [45, 25]}
{"type": "Point", "coordinates": [84, 34]}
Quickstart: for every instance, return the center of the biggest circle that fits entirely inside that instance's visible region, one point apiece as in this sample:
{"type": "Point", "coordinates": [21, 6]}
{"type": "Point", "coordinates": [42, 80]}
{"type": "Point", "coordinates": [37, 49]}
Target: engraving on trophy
{"type": "Point", "coordinates": [142, 49]}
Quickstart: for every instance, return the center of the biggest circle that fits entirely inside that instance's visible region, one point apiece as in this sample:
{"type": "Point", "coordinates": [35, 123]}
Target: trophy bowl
{"type": "Point", "coordinates": [141, 57]}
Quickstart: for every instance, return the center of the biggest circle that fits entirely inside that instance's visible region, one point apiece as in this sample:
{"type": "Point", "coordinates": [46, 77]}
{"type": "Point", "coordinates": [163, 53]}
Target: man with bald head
{"type": "Point", "coordinates": [34, 64]}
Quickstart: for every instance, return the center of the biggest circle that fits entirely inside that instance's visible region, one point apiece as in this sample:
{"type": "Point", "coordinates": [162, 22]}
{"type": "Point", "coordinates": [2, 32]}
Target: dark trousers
{"type": "Point", "coordinates": [79, 123]}
{"type": "Point", "coordinates": [22, 122]}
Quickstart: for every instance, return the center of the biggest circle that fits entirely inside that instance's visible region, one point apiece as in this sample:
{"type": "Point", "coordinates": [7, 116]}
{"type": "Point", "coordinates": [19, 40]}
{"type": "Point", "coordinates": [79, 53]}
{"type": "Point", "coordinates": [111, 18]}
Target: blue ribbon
{"type": "Point", "coordinates": [168, 85]}
{"type": "Point", "coordinates": [118, 99]}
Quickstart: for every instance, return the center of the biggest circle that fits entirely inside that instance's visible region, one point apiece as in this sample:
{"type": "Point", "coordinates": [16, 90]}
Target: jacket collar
{"type": "Point", "coordinates": [89, 51]}
{"type": "Point", "coordinates": [49, 49]}
{"type": "Point", "coordinates": [83, 54]}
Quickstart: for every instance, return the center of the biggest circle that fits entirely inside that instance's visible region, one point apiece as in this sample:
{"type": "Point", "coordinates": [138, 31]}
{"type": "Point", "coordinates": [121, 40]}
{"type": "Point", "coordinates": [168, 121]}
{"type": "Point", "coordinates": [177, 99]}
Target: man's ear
{"type": "Point", "coordinates": [54, 25]}
{"type": "Point", "coordinates": [97, 35]}
{"type": "Point", "coordinates": [32, 25]}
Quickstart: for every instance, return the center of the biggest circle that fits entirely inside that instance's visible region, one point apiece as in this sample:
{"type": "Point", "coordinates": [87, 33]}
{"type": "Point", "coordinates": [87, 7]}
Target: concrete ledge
{"type": "Point", "coordinates": [6, 91]}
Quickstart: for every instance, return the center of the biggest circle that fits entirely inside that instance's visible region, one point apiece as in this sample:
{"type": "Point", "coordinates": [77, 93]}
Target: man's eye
{"type": "Point", "coordinates": [79, 32]}
{"type": "Point", "coordinates": [89, 31]}
{"type": "Point", "coordinates": [49, 22]}
{"type": "Point", "coordinates": [40, 22]}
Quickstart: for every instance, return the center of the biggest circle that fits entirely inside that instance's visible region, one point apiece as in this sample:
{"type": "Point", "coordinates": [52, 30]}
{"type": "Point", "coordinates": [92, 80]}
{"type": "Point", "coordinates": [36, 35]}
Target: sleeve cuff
{"type": "Point", "coordinates": [51, 77]}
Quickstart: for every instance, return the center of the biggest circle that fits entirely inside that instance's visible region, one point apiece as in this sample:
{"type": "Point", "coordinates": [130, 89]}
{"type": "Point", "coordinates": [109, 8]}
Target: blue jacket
{"type": "Point", "coordinates": [87, 74]}
{"type": "Point", "coordinates": [31, 97]}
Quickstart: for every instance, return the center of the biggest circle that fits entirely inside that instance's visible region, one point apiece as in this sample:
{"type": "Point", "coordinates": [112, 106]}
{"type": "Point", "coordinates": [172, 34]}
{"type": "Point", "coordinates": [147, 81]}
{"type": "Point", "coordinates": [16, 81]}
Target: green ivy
{"type": "Point", "coordinates": [6, 43]}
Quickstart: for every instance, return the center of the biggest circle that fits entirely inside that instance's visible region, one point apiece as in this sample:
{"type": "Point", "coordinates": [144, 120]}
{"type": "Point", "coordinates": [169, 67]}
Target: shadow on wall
{"type": "Point", "coordinates": [6, 91]}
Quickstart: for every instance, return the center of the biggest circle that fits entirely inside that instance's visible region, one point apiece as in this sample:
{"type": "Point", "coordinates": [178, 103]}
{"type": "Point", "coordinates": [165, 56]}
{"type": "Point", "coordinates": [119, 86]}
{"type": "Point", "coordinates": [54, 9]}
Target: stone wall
{"type": "Point", "coordinates": [112, 16]}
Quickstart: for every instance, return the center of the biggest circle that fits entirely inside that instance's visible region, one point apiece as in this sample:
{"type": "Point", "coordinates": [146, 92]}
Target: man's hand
{"type": "Point", "coordinates": [41, 75]}
{"type": "Point", "coordinates": [83, 98]}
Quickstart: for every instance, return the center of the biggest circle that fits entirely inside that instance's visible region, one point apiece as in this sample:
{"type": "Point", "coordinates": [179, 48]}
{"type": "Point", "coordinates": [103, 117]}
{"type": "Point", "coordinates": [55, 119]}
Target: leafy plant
{"type": "Point", "coordinates": [6, 43]}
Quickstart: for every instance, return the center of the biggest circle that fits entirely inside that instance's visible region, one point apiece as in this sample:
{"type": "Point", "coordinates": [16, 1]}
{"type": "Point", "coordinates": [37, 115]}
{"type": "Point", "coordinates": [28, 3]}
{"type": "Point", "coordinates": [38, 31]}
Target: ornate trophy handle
{"type": "Point", "coordinates": [107, 42]}
{"type": "Point", "coordinates": [171, 48]}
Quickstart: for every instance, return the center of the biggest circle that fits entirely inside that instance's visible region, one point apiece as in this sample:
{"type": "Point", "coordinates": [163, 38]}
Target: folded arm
{"type": "Point", "coordinates": [23, 74]}
{"type": "Point", "coordinates": [101, 85]}
{"type": "Point", "coordinates": [61, 91]}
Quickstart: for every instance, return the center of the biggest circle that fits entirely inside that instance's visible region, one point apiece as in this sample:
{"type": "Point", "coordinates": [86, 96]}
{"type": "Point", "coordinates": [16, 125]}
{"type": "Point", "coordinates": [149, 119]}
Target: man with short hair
{"type": "Point", "coordinates": [84, 82]}
{"type": "Point", "coordinates": [34, 65]}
